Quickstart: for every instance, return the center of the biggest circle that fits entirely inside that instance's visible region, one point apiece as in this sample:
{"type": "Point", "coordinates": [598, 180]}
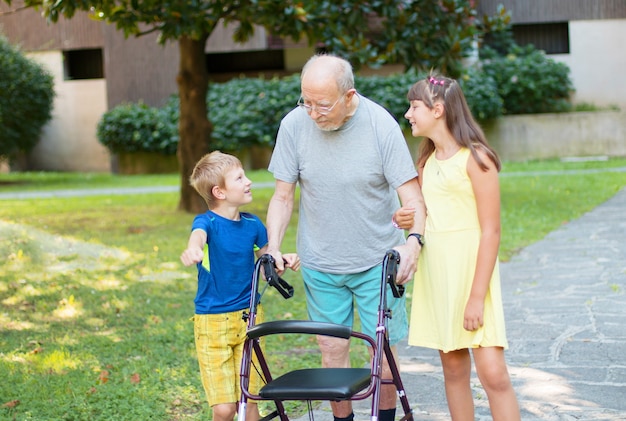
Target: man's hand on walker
{"type": "Point", "coordinates": [408, 262]}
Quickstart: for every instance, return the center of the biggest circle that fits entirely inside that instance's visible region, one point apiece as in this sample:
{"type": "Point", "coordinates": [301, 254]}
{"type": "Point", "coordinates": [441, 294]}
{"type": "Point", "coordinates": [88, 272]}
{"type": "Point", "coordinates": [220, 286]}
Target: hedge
{"type": "Point", "coordinates": [248, 111]}
{"type": "Point", "coordinates": [26, 100]}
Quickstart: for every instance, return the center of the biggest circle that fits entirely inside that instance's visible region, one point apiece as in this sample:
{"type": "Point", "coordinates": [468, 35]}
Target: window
{"type": "Point", "coordinates": [83, 64]}
{"type": "Point", "coordinates": [248, 61]}
{"type": "Point", "coordinates": [553, 38]}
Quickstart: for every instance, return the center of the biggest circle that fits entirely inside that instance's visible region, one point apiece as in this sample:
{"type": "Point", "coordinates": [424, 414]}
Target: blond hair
{"type": "Point", "coordinates": [209, 172]}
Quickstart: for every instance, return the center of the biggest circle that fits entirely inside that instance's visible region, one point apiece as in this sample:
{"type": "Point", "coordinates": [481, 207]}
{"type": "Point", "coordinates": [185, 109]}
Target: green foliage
{"type": "Point", "coordinates": [389, 91]}
{"type": "Point", "coordinates": [587, 106]}
{"type": "Point", "coordinates": [138, 128]}
{"type": "Point", "coordinates": [427, 34]}
{"type": "Point", "coordinates": [497, 31]}
{"type": "Point", "coordinates": [420, 34]}
{"type": "Point", "coordinates": [530, 82]}
{"type": "Point", "coordinates": [481, 94]}
{"type": "Point", "coordinates": [26, 100]}
{"type": "Point", "coordinates": [248, 111]}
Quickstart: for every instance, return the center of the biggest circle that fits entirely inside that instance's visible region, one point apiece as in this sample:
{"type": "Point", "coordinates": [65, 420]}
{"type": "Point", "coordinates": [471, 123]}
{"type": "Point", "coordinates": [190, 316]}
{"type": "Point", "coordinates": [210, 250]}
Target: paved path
{"type": "Point", "coordinates": [565, 306]}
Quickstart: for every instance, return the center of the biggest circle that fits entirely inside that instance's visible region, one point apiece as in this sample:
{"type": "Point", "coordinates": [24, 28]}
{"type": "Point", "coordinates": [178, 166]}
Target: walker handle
{"type": "Point", "coordinates": [272, 278]}
{"type": "Point", "coordinates": [390, 270]}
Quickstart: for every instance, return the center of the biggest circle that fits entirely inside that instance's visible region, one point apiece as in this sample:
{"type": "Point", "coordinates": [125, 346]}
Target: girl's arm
{"type": "Point", "coordinates": [404, 217]}
{"type": "Point", "coordinates": [487, 193]}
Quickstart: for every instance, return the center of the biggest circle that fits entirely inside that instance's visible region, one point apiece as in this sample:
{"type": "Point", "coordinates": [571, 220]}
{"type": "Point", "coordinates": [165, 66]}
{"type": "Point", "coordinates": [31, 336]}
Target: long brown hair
{"type": "Point", "coordinates": [459, 119]}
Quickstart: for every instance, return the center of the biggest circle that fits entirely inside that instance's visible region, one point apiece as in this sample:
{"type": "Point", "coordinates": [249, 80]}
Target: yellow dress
{"type": "Point", "coordinates": [445, 268]}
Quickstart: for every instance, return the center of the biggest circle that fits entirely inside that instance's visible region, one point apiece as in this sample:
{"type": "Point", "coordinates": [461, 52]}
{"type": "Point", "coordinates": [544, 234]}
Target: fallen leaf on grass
{"type": "Point", "coordinates": [103, 377]}
{"type": "Point", "coordinates": [11, 404]}
{"type": "Point", "coordinates": [135, 378]}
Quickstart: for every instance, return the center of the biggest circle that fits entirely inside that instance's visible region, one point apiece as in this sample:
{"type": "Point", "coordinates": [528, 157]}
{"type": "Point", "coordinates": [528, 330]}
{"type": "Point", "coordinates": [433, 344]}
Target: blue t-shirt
{"type": "Point", "coordinates": [225, 274]}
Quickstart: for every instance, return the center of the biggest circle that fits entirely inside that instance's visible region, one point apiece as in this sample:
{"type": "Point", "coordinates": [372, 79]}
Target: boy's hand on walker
{"type": "Point", "coordinates": [473, 317]}
{"type": "Point", "coordinates": [404, 218]}
{"type": "Point", "coordinates": [192, 256]}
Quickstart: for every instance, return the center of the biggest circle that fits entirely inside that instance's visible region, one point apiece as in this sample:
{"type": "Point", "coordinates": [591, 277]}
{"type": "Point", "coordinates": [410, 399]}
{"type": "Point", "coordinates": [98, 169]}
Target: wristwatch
{"type": "Point", "coordinates": [418, 237]}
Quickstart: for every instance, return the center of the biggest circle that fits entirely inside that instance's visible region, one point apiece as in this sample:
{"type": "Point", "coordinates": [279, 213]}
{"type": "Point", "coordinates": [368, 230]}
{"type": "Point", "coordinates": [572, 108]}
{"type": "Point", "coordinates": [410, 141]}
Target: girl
{"type": "Point", "coordinates": [457, 303]}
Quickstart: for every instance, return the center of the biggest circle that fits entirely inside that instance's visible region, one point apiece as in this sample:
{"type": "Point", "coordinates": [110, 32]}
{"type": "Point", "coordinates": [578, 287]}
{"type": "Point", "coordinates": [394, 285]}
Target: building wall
{"type": "Point", "coordinates": [138, 69]}
{"type": "Point", "coordinates": [553, 136]}
{"type": "Point", "coordinates": [597, 30]}
{"type": "Point", "coordinates": [537, 11]}
{"type": "Point", "coordinates": [597, 73]}
{"type": "Point", "coordinates": [32, 32]}
{"type": "Point", "coordinates": [68, 141]}
{"type": "Point", "coordinates": [545, 136]}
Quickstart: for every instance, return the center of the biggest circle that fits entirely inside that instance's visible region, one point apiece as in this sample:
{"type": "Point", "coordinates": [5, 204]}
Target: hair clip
{"type": "Point", "coordinates": [435, 81]}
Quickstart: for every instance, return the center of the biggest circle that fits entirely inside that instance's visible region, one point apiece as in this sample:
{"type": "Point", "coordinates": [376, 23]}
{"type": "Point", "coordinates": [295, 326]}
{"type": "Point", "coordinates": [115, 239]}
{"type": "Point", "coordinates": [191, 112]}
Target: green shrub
{"type": "Point", "coordinates": [528, 81]}
{"type": "Point", "coordinates": [248, 111]}
{"type": "Point", "coordinates": [26, 100]}
{"type": "Point", "coordinates": [481, 94]}
{"type": "Point", "coordinates": [391, 92]}
{"type": "Point", "coordinates": [139, 128]}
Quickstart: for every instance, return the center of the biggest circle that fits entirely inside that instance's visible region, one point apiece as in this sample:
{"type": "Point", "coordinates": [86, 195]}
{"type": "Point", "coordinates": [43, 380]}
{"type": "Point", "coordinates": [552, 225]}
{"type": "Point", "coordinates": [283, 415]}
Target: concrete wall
{"type": "Point", "coordinates": [68, 141]}
{"type": "Point", "coordinates": [597, 61]}
{"type": "Point", "coordinates": [546, 136]}
{"type": "Point", "coordinates": [543, 136]}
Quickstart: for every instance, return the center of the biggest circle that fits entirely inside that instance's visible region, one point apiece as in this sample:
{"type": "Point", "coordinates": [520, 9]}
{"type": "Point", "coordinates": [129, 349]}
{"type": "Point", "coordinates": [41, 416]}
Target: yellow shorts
{"type": "Point", "coordinates": [219, 346]}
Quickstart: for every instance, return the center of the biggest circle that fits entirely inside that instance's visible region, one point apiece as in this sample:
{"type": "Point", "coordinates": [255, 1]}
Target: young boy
{"type": "Point", "coordinates": [224, 243]}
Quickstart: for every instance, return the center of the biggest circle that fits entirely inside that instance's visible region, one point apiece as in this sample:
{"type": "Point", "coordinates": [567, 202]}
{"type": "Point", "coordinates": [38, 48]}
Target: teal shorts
{"type": "Point", "coordinates": [333, 297]}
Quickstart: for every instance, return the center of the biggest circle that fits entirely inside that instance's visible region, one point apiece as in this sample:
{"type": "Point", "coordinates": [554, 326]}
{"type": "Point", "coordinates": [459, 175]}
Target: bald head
{"type": "Point", "coordinates": [326, 70]}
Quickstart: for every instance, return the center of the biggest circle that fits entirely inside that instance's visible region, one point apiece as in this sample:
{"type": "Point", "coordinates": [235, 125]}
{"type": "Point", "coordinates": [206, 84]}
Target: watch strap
{"type": "Point", "coordinates": [418, 237]}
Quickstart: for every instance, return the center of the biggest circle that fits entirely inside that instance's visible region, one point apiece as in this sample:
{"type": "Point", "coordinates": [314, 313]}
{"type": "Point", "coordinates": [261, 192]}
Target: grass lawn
{"type": "Point", "coordinates": [95, 304]}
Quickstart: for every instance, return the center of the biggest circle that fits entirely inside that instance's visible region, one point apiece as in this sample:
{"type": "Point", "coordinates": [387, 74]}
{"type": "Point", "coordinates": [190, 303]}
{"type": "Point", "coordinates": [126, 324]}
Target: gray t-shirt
{"type": "Point", "coordinates": [348, 180]}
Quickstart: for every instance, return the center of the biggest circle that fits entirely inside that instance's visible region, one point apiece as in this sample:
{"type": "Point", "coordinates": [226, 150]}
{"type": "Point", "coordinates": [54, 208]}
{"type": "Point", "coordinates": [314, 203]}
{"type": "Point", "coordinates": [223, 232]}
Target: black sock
{"type": "Point", "coordinates": [348, 418]}
{"type": "Point", "coordinates": [387, 414]}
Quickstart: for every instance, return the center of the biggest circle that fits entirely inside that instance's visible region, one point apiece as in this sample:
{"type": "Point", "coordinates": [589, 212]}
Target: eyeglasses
{"type": "Point", "coordinates": [320, 110]}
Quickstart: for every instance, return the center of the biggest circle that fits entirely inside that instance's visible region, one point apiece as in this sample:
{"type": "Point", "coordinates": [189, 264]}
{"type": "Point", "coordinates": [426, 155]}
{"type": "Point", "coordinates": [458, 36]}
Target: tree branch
{"type": "Point", "coordinates": [10, 12]}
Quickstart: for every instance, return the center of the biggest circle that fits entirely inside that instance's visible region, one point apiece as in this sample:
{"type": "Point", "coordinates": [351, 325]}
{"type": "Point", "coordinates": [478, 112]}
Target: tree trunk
{"type": "Point", "coordinates": [194, 126]}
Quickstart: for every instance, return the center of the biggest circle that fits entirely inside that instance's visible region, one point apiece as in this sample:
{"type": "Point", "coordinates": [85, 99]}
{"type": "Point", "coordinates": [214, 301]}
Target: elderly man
{"type": "Point", "coordinates": [352, 163]}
